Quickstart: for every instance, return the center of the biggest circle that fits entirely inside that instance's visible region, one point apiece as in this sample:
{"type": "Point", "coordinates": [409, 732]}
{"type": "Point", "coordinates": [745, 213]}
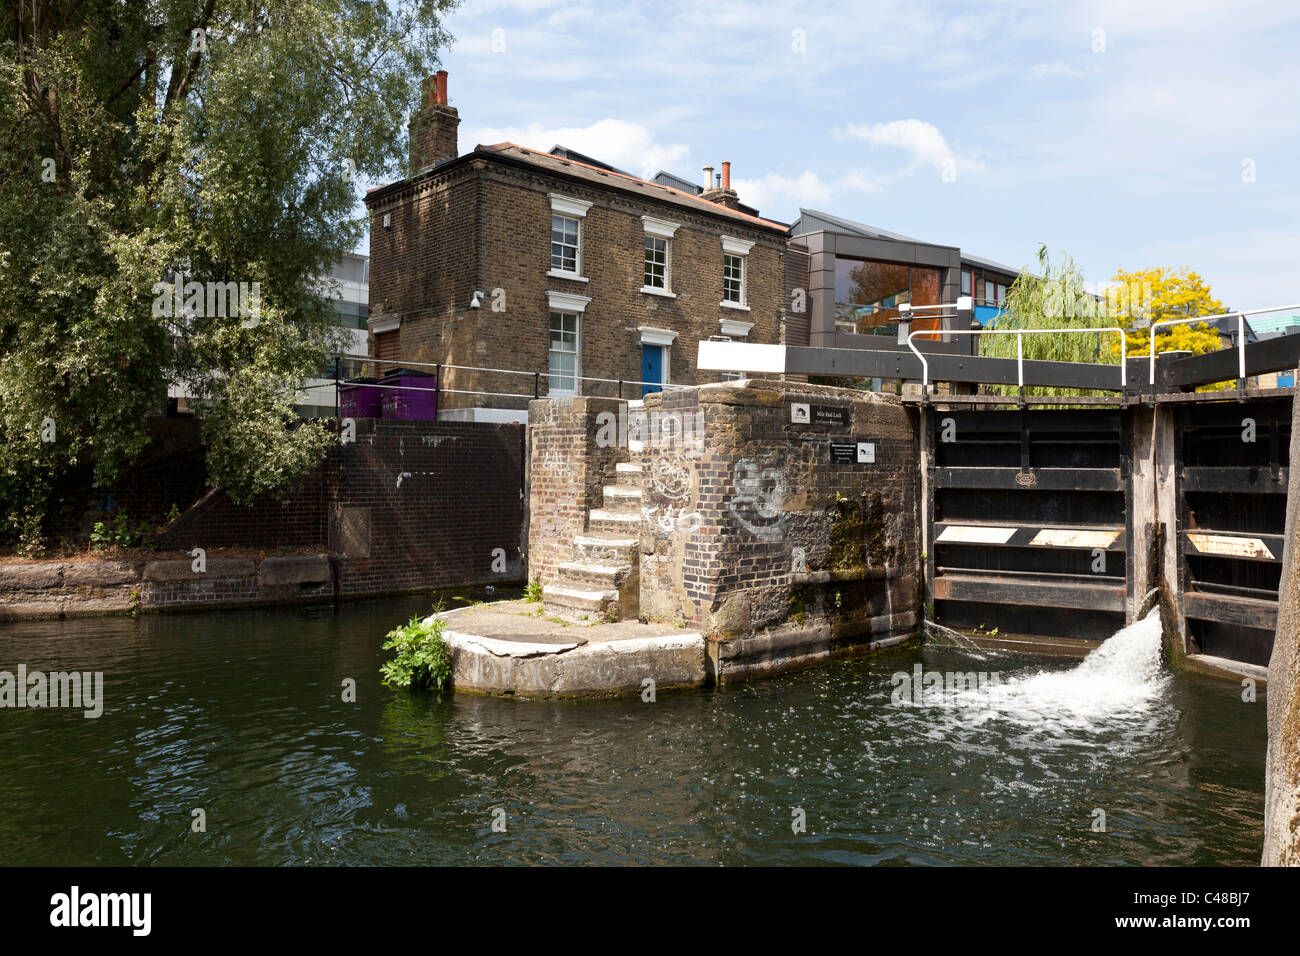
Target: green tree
{"type": "Point", "coordinates": [1054, 298]}
{"type": "Point", "coordinates": [215, 139]}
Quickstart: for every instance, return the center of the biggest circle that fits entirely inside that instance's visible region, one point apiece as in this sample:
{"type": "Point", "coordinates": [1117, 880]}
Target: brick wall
{"type": "Point", "coordinates": [409, 505]}
{"type": "Point", "coordinates": [762, 486]}
{"type": "Point", "coordinates": [424, 504]}
{"type": "Point", "coordinates": [566, 474]}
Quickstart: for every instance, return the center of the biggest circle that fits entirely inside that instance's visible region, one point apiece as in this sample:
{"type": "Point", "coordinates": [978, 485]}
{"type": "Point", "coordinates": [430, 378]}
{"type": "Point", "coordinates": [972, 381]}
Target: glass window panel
{"type": "Point", "coordinates": [733, 279]}
{"type": "Point", "coordinates": [564, 352]}
{"type": "Point", "coordinates": [564, 243]}
{"type": "Point", "coordinates": [656, 262]}
{"type": "Point", "coordinates": [867, 295]}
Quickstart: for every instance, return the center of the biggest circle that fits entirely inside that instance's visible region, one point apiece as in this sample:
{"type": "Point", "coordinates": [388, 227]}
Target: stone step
{"type": "Point", "coordinates": [622, 491]}
{"type": "Point", "coordinates": [625, 523]}
{"type": "Point", "coordinates": [622, 498]}
{"type": "Point", "coordinates": [580, 603]}
{"type": "Point", "coordinates": [607, 548]}
{"type": "Point", "coordinates": [592, 574]}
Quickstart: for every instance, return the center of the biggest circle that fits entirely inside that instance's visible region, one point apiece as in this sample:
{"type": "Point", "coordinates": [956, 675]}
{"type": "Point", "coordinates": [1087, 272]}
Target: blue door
{"type": "Point", "coordinates": [652, 367]}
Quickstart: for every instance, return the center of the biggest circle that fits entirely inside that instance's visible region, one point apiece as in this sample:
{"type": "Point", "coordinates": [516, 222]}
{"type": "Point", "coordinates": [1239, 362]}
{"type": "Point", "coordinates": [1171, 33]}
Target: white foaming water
{"type": "Point", "coordinates": [957, 639]}
{"type": "Point", "coordinates": [1115, 687]}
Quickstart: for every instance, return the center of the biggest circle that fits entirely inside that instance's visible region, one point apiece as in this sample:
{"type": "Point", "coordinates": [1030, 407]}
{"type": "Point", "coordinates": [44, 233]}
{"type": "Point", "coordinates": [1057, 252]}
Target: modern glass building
{"type": "Point", "coordinates": [857, 276]}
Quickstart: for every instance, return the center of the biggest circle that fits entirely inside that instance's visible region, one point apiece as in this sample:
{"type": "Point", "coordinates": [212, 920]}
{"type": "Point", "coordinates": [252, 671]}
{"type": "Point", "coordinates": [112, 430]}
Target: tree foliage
{"type": "Point", "coordinates": [1058, 298]}
{"type": "Point", "coordinates": [1161, 294]}
{"type": "Point", "coordinates": [1055, 298]}
{"type": "Point", "coordinates": [217, 139]}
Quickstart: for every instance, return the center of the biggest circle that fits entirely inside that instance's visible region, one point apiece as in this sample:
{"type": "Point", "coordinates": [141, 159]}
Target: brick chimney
{"type": "Point", "coordinates": [723, 194]}
{"type": "Point", "coordinates": [433, 125]}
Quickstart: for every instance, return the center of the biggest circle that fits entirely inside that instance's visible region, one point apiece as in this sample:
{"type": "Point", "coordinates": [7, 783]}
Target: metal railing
{"type": "Point", "coordinates": [438, 386]}
{"type": "Point", "coordinates": [1020, 348]}
{"type": "Point", "coordinates": [1241, 333]}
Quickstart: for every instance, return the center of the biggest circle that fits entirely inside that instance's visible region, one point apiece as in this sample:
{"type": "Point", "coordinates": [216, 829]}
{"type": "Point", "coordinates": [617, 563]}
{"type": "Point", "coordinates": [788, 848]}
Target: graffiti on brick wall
{"type": "Point", "coordinates": [757, 503]}
{"type": "Point", "coordinates": [553, 461]}
{"type": "Point", "coordinates": [667, 506]}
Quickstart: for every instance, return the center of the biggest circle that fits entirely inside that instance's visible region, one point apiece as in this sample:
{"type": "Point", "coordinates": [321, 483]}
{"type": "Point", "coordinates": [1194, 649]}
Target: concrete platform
{"type": "Point", "coordinates": [507, 648]}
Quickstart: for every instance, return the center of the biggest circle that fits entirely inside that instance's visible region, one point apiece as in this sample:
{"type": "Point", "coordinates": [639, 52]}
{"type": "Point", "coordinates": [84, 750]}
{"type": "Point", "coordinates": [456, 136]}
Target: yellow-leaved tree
{"type": "Point", "coordinates": [1157, 295]}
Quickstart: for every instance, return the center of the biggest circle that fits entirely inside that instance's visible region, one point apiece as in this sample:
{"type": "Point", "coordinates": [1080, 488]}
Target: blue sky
{"type": "Point", "coordinates": [1123, 133]}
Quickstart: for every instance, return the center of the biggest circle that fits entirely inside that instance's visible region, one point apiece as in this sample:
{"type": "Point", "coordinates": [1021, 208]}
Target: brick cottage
{"type": "Point", "coordinates": [561, 268]}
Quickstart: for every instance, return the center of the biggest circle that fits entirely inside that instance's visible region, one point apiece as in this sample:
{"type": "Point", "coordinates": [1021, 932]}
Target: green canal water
{"type": "Point", "coordinates": [240, 714]}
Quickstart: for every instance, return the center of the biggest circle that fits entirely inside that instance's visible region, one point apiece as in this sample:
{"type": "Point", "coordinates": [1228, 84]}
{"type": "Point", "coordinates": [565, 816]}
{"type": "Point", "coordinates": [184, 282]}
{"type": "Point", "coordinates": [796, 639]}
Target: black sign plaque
{"type": "Point", "coordinates": [844, 451]}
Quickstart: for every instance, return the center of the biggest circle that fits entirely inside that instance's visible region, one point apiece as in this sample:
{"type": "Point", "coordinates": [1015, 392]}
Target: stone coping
{"type": "Point", "coordinates": [503, 648]}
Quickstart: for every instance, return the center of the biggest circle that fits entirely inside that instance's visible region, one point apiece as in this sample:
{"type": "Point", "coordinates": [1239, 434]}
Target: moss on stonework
{"type": "Point", "coordinates": [881, 552]}
{"type": "Point", "coordinates": [1172, 653]}
{"type": "Point", "coordinates": [846, 535]}
{"type": "Point", "coordinates": [796, 611]}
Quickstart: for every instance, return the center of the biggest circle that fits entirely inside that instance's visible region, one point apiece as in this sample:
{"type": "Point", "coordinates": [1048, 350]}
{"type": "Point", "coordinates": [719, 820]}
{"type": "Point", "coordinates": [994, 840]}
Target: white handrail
{"type": "Point", "coordinates": [1241, 332]}
{"type": "Point", "coordinates": [1020, 348]}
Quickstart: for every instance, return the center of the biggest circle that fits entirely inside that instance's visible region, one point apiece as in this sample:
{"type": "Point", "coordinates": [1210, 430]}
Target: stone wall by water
{"type": "Point", "coordinates": [52, 589]}
{"type": "Point", "coordinates": [1282, 780]}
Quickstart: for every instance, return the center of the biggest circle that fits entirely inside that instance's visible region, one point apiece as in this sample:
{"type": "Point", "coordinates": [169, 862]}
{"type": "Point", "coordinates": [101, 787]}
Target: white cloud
{"type": "Point", "coordinates": [863, 181]}
{"type": "Point", "coordinates": [922, 141]}
{"type": "Point", "coordinates": [778, 195]}
{"type": "Point", "coordinates": [629, 146]}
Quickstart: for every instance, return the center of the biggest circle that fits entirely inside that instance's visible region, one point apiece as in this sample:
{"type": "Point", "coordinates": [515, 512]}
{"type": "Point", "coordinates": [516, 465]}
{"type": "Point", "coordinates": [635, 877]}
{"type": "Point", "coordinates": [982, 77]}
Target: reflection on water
{"type": "Point", "coordinates": [240, 714]}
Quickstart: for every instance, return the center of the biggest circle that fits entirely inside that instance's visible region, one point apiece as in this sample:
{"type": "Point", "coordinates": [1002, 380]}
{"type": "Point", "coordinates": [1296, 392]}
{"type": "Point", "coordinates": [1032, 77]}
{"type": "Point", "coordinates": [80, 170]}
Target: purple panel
{"type": "Point", "coordinates": [358, 399]}
{"type": "Point", "coordinates": [414, 399]}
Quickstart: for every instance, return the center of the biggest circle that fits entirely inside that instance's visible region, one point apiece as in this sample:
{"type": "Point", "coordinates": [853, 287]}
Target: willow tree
{"type": "Point", "coordinates": [148, 142]}
{"type": "Point", "coordinates": [1055, 298]}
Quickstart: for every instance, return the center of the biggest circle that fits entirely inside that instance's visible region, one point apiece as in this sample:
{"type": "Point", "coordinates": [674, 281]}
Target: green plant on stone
{"type": "Point", "coordinates": [533, 592]}
{"type": "Point", "coordinates": [117, 533]}
{"type": "Point", "coordinates": [423, 660]}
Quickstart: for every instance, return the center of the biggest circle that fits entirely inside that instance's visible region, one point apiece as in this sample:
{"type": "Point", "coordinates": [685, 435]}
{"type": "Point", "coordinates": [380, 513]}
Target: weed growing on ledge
{"type": "Point", "coordinates": [533, 593]}
{"type": "Point", "coordinates": [423, 660]}
{"type": "Point", "coordinates": [118, 533]}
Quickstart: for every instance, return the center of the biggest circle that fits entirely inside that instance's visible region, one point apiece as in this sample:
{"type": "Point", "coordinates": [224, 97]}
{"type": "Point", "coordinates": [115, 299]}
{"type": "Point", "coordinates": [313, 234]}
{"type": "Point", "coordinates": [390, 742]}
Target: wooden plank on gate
{"type": "Point", "coordinates": [1043, 479]}
{"type": "Point", "coordinates": [1254, 479]}
{"type": "Point", "coordinates": [991, 589]}
{"type": "Point", "coordinates": [1228, 609]}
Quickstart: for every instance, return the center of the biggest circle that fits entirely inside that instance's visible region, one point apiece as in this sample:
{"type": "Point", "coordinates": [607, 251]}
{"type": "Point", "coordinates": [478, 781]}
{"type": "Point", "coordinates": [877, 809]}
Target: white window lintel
{"type": "Point", "coordinates": [567, 301]}
{"type": "Point", "coordinates": [567, 206]}
{"type": "Point", "coordinates": [736, 247]}
{"type": "Point", "coordinates": [388, 323]}
{"type": "Point", "coordinates": [652, 336]}
{"type": "Point", "coordinates": [735, 327]}
{"type": "Point", "coordinates": [660, 228]}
